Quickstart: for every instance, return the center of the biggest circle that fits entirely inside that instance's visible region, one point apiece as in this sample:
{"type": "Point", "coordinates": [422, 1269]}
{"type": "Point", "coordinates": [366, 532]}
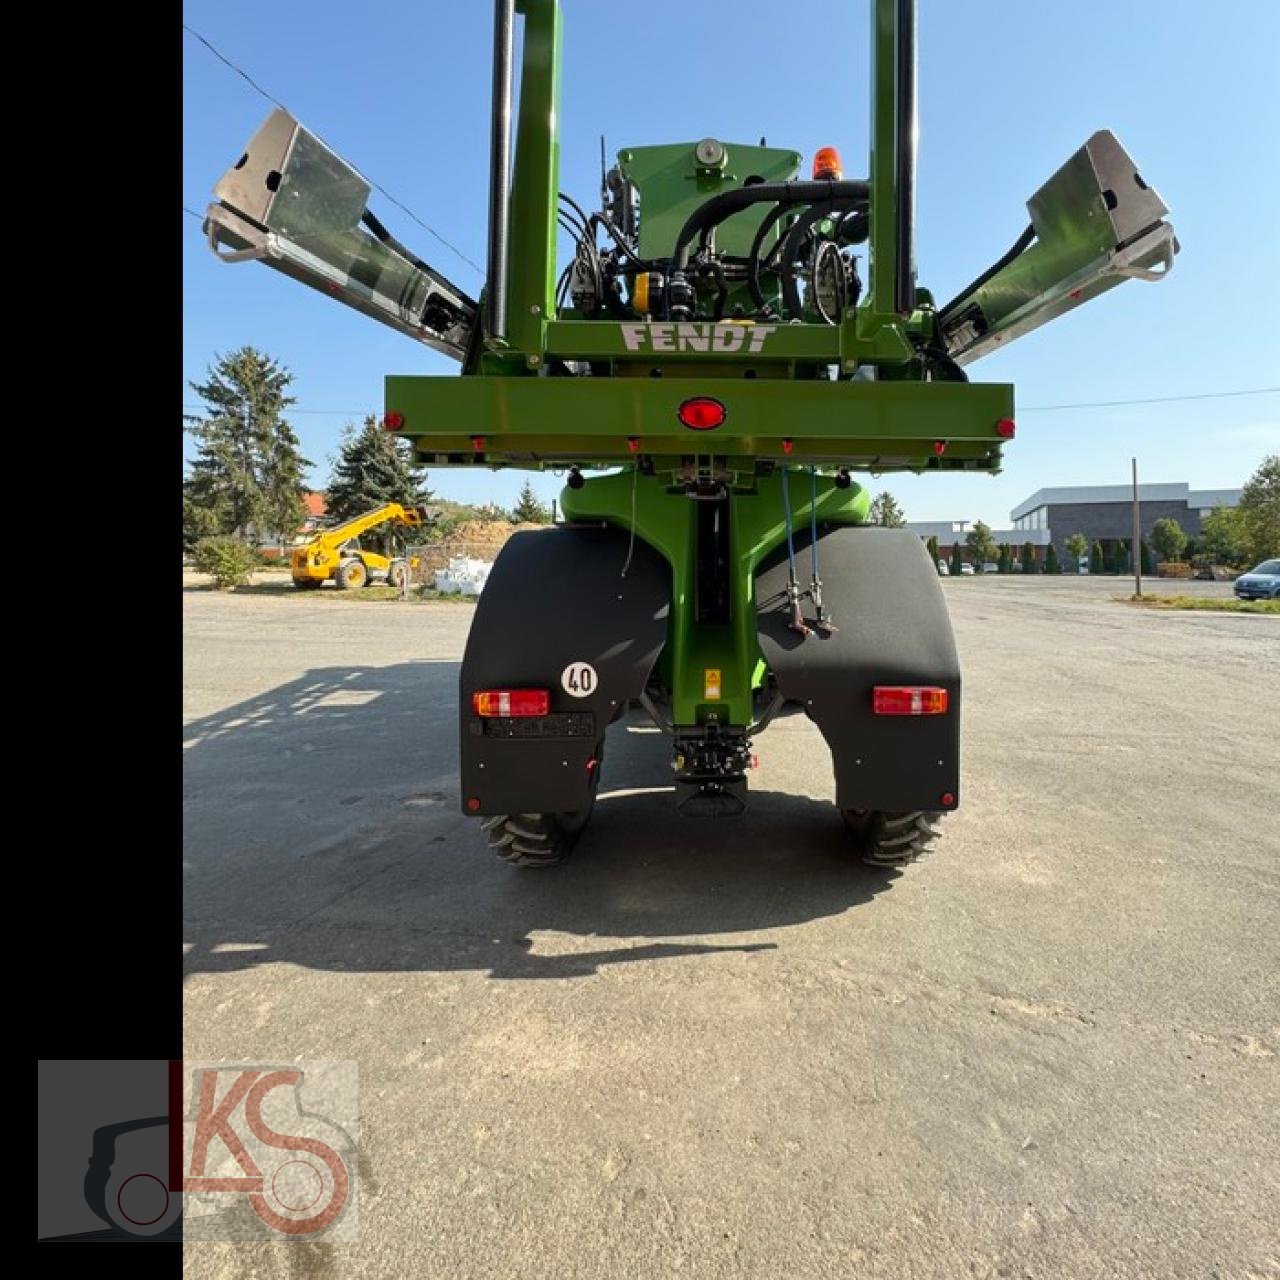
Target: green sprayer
{"type": "Point", "coordinates": [728, 345]}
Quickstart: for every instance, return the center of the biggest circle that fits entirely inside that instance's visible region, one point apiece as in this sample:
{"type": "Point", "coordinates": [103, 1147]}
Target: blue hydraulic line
{"type": "Point", "coordinates": [823, 623]}
{"type": "Point", "coordinates": [797, 622]}
{"type": "Point", "coordinates": [813, 518]}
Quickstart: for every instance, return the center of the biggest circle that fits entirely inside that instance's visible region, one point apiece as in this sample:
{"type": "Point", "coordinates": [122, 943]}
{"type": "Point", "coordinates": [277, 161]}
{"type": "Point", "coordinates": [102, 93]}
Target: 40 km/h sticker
{"type": "Point", "coordinates": [579, 679]}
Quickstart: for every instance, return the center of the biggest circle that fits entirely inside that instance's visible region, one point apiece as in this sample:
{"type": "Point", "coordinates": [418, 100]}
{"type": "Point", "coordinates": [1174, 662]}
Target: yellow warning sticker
{"type": "Point", "coordinates": [712, 684]}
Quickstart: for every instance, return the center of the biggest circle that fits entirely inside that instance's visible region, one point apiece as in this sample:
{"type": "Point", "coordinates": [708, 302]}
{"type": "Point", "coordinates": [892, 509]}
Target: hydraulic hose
{"type": "Point", "coordinates": [804, 224]}
{"type": "Point", "coordinates": [1020, 246]}
{"type": "Point", "coordinates": [727, 203]}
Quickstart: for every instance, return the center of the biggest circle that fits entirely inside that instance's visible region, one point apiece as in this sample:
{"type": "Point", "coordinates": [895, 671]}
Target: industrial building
{"type": "Point", "coordinates": [1103, 513]}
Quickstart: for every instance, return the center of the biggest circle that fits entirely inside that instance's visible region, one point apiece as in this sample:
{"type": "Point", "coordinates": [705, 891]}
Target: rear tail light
{"type": "Point", "coordinates": [908, 700]}
{"type": "Point", "coordinates": [702, 413]}
{"type": "Point", "coordinates": [511, 702]}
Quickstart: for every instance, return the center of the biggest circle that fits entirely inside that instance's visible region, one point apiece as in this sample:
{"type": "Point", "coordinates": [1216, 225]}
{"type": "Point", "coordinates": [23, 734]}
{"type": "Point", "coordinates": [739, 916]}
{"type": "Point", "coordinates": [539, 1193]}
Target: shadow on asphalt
{"type": "Point", "coordinates": [323, 829]}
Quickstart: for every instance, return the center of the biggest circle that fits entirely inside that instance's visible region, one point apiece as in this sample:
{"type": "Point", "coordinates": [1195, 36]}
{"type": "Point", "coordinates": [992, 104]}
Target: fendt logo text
{"type": "Point", "coordinates": [719, 339]}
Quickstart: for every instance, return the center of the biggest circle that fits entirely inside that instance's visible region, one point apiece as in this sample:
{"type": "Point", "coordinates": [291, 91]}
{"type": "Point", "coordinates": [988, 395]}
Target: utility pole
{"type": "Point", "coordinates": [1137, 536]}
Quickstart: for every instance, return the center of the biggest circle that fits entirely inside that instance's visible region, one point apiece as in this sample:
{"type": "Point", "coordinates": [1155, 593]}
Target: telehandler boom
{"type": "Point", "coordinates": [729, 343]}
{"type": "Point", "coordinates": [334, 555]}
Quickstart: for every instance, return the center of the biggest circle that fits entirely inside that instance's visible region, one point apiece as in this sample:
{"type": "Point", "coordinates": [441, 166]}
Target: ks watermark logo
{"type": "Point", "coordinates": [268, 1150]}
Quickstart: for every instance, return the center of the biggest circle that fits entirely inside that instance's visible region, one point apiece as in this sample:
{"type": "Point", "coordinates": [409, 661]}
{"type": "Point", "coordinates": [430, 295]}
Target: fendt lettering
{"type": "Point", "coordinates": [715, 290]}
{"type": "Point", "coordinates": [720, 339]}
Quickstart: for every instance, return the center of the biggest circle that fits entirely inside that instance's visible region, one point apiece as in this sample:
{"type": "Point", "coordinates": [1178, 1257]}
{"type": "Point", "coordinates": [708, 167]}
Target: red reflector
{"type": "Point", "coordinates": [908, 700]}
{"type": "Point", "coordinates": [948, 801]}
{"type": "Point", "coordinates": [473, 803]}
{"type": "Point", "coordinates": [511, 702]}
{"type": "Point", "coordinates": [393, 421]}
{"type": "Point", "coordinates": [702, 413]}
{"type": "Point", "coordinates": [1006, 427]}
{"type": "Point", "coordinates": [939, 447]}
{"type": "Point", "coordinates": [477, 443]}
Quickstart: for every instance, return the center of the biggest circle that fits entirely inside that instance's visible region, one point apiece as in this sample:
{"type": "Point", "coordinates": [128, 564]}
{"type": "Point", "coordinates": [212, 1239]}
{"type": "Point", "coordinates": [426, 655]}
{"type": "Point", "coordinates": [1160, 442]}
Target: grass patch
{"type": "Point", "coordinates": [1213, 604]}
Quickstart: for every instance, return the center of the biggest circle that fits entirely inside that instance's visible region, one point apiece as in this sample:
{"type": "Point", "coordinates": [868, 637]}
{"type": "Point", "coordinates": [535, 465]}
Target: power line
{"type": "Point", "coordinates": [192, 212]}
{"type": "Point", "coordinates": [240, 71]}
{"type": "Point", "coordinates": [1113, 404]}
{"type": "Point", "coordinates": [327, 412]}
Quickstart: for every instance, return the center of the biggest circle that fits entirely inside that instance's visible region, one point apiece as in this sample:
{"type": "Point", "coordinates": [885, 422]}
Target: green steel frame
{"type": "Point", "coordinates": [803, 403]}
{"type": "Point", "coordinates": [505, 411]}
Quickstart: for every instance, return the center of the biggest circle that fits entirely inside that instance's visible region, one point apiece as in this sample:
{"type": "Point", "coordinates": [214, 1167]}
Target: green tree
{"type": "Point", "coordinates": [246, 478]}
{"type": "Point", "coordinates": [1122, 556]}
{"type": "Point", "coordinates": [1222, 536]}
{"type": "Point", "coordinates": [1097, 563]}
{"type": "Point", "coordinates": [1005, 563]}
{"type": "Point", "coordinates": [198, 521]}
{"type": "Point", "coordinates": [226, 559]}
{"type": "Point", "coordinates": [932, 547]}
{"type": "Point", "coordinates": [1260, 511]}
{"type": "Point", "coordinates": [1051, 564]}
{"type": "Point", "coordinates": [1077, 547]}
{"type": "Point", "coordinates": [1029, 564]}
{"type": "Point", "coordinates": [957, 558]}
{"type": "Point", "coordinates": [528, 510]}
{"type": "Point", "coordinates": [1148, 558]}
{"type": "Point", "coordinates": [982, 546]}
{"type": "Point", "coordinates": [1168, 539]}
{"type": "Point", "coordinates": [886, 512]}
{"type": "Point", "coordinates": [374, 467]}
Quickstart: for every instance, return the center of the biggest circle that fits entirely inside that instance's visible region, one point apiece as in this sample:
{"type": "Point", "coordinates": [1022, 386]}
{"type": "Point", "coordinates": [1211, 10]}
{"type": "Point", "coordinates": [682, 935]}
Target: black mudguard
{"type": "Point", "coordinates": [553, 598]}
{"type": "Point", "coordinates": [883, 593]}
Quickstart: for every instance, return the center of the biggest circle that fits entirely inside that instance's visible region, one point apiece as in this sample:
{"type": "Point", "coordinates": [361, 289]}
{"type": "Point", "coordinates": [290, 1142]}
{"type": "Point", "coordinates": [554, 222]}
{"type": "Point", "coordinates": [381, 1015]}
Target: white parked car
{"type": "Point", "coordinates": [944, 570]}
{"type": "Point", "coordinates": [967, 570]}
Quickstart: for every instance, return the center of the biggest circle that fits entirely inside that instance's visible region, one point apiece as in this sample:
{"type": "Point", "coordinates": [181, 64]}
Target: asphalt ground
{"type": "Point", "coordinates": [722, 1048]}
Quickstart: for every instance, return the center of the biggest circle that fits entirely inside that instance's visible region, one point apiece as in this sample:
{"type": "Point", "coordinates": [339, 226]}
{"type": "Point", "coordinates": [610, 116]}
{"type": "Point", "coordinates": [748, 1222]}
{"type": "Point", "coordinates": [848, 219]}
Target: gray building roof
{"type": "Point", "coordinates": [949, 532]}
{"type": "Point", "coordinates": [1204, 499]}
{"type": "Point", "coordinates": [1099, 493]}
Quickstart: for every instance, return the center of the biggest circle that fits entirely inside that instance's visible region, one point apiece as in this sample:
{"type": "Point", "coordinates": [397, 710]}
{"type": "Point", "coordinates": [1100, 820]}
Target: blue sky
{"type": "Point", "coordinates": [1008, 90]}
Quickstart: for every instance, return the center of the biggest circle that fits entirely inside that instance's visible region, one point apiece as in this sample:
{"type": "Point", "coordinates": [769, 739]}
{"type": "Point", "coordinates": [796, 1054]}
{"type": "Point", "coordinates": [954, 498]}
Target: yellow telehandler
{"type": "Point", "coordinates": [337, 554]}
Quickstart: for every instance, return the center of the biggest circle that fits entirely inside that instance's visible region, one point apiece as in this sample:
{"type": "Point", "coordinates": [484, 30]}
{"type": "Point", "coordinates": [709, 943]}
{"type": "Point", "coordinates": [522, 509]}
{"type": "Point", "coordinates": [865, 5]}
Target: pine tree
{"type": "Point", "coordinates": [1096, 561]}
{"type": "Point", "coordinates": [246, 478]}
{"type": "Point", "coordinates": [1051, 564]}
{"type": "Point", "coordinates": [957, 558]}
{"type": "Point", "coordinates": [885, 511]}
{"type": "Point", "coordinates": [932, 547]}
{"type": "Point", "coordinates": [374, 467]}
{"type": "Point", "coordinates": [528, 510]}
{"type": "Point", "coordinates": [1029, 564]}
{"type": "Point", "coordinates": [1005, 563]}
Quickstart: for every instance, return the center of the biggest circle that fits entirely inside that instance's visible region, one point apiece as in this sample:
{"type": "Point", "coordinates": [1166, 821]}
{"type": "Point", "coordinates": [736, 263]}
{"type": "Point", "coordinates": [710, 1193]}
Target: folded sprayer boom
{"type": "Point", "coordinates": [293, 204]}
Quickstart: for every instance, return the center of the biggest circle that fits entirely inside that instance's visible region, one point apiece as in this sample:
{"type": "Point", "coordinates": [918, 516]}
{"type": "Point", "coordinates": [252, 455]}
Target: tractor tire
{"type": "Point", "coordinates": [892, 839]}
{"type": "Point", "coordinates": [352, 575]}
{"type": "Point", "coordinates": [539, 839]}
{"type": "Point", "coordinates": [397, 574]}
